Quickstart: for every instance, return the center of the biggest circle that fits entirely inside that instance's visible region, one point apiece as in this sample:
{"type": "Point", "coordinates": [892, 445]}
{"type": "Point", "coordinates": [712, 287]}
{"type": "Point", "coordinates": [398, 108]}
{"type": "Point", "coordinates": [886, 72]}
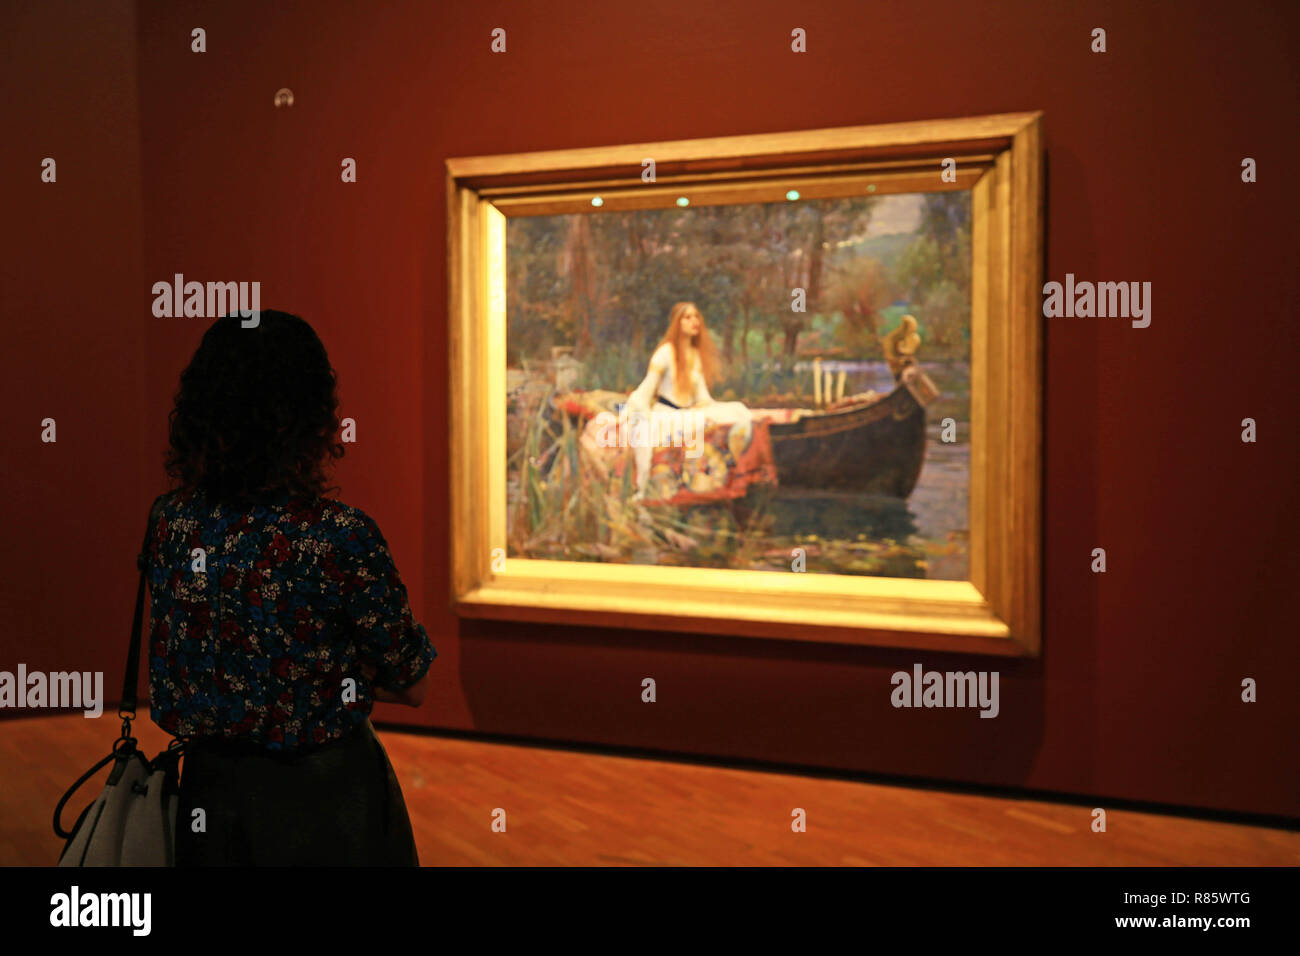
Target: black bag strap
{"type": "Point", "coordinates": [125, 746]}
{"type": "Point", "coordinates": [58, 809]}
{"type": "Point", "coordinates": [130, 684]}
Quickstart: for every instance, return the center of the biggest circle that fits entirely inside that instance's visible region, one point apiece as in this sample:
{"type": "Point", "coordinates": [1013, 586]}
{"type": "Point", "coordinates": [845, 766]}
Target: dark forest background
{"type": "Point", "coordinates": [603, 284]}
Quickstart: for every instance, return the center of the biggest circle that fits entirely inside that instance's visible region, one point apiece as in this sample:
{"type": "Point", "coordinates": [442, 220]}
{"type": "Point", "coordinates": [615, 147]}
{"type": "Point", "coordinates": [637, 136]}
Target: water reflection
{"type": "Point", "coordinates": [829, 514]}
{"type": "Point", "coordinates": [931, 526]}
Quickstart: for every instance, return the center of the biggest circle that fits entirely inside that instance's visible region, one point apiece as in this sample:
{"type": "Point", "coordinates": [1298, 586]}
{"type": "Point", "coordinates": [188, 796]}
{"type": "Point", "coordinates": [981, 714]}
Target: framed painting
{"type": "Point", "coordinates": [783, 385]}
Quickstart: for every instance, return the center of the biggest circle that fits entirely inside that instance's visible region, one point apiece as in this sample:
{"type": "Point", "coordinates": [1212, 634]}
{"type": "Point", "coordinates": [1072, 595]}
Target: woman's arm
{"type": "Point", "coordinates": [394, 650]}
{"type": "Point", "coordinates": [640, 403]}
{"type": "Point", "coordinates": [412, 696]}
{"type": "Point", "coordinates": [643, 398]}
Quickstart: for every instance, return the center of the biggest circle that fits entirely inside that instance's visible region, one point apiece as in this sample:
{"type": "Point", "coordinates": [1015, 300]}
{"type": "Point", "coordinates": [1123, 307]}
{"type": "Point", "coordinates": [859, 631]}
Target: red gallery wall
{"type": "Point", "coordinates": [73, 346]}
{"type": "Point", "coordinates": [1137, 695]}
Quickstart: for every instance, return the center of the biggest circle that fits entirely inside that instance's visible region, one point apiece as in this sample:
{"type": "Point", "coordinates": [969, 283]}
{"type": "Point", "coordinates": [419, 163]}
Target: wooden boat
{"type": "Point", "coordinates": [865, 444]}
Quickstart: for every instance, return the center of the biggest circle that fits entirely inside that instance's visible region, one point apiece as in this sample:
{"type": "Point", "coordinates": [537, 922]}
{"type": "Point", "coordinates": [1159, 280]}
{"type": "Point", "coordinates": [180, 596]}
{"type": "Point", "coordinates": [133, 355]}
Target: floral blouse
{"type": "Point", "coordinates": [261, 635]}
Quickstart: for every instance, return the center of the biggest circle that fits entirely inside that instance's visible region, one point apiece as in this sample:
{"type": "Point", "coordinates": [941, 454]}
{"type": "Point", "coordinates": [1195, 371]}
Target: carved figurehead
{"type": "Point", "coordinates": [900, 346]}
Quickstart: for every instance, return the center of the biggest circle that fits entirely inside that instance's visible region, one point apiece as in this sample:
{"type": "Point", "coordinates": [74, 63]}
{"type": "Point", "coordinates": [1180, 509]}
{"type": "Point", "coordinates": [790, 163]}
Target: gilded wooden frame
{"type": "Point", "coordinates": [996, 612]}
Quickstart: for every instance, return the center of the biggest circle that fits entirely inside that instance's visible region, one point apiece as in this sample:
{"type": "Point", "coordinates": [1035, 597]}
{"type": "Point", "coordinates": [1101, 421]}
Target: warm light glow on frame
{"type": "Point", "coordinates": [996, 611]}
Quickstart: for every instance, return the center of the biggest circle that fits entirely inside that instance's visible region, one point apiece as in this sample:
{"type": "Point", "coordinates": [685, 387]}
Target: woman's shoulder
{"type": "Point", "coordinates": [348, 519]}
{"type": "Point", "coordinates": [663, 355]}
{"type": "Point", "coordinates": [313, 516]}
{"type": "Point", "coordinates": [170, 507]}
{"type": "Point", "coordinates": [319, 525]}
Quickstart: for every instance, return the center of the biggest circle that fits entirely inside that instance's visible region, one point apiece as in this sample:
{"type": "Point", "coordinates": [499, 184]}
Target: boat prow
{"type": "Point", "coordinates": [864, 443]}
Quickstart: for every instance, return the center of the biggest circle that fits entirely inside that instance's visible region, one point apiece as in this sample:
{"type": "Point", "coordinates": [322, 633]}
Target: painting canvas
{"type": "Point", "coordinates": [780, 385]}
{"type": "Point", "coordinates": [824, 422]}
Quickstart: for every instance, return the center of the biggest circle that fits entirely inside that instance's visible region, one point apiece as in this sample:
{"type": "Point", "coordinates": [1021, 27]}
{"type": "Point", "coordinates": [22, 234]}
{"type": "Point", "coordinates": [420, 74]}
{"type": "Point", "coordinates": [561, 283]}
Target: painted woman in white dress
{"type": "Point", "coordinates": [666, 397]}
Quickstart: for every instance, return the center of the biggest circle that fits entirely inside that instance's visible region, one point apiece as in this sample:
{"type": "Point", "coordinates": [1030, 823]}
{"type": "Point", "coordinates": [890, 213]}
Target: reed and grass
{"type": "Point", "coordinates": [571, 505]}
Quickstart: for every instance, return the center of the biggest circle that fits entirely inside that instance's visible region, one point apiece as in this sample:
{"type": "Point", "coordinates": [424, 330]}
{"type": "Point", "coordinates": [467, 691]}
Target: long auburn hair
{"type": "Point", "coordinates": [703, 344]}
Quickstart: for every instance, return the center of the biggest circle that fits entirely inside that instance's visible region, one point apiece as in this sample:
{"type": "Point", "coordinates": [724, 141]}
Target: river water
{"type": "Point", "coordinates": [925, 535]}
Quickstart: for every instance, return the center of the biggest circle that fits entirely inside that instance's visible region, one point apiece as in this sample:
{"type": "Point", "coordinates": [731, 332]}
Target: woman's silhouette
{"type": "Point", "coordinates": [278, 616]}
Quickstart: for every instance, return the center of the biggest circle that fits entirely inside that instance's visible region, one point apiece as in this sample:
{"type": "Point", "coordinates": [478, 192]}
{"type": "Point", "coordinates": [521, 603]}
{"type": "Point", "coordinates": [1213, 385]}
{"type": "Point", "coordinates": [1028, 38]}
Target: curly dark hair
{"type": "Point", "coordinates": [256, 411]}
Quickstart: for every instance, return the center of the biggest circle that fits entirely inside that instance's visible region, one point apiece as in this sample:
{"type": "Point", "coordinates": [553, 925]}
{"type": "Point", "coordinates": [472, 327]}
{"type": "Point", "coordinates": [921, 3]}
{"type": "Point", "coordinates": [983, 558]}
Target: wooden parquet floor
{"type": "Point", "coordinates": [565, 808]}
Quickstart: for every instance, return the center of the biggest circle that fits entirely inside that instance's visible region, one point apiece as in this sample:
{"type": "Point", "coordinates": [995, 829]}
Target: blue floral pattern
{"type": "Point", "coordinates": [263, 617]}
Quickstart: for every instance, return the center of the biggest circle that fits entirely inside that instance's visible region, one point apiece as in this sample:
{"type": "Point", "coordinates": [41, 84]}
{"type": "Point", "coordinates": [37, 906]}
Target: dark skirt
{"type": "Point", "coordinates": [339, 805]}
